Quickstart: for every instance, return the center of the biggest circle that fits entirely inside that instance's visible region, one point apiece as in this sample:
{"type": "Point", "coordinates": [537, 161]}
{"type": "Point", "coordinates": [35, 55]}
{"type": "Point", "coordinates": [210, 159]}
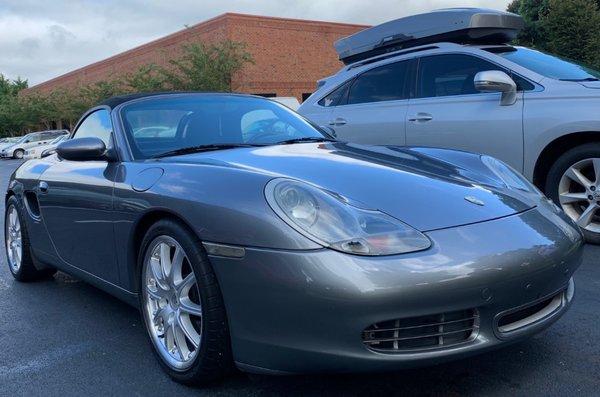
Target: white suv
{"type": "Point", "coordinates": [535, 111]}
{"type": "Point", "coordinates": [29, 141]}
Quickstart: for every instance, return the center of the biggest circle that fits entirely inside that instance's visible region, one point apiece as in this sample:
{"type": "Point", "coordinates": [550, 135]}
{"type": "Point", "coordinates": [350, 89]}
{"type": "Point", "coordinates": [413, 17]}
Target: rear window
{"type": "Point", "coordinates": [337, 97]}
{"type": "Point", "coordinates": [384, 83]}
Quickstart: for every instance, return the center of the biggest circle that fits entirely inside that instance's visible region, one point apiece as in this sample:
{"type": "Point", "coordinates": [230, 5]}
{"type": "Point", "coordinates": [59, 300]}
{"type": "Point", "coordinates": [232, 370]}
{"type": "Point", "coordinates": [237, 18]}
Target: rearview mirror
{"type": "Point", "coordinates": [497, 81]}
{"type": "Point", "coordinates": [82, 149]}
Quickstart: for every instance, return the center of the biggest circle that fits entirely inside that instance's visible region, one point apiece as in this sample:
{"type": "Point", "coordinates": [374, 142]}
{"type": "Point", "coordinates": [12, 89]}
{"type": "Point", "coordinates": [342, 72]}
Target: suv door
{"type": "Point", "coordinates": [449, 112]}
{"type": "Point", "coordinates": [76, 203]}
{"type": "Point", "coordinates": [374, 109]}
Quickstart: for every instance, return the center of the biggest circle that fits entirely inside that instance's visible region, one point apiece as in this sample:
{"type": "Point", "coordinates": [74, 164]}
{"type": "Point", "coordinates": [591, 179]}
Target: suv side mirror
{"type": "Point", "coordinates": [497, 81]}
{"type": "Point", "coordinates": [83, 149]}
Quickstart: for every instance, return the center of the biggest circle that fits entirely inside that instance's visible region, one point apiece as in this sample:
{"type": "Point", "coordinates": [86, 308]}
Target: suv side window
{"type": "Point", "coordinates": [452, 74]}
{"type": "Point", "coordinates": [34, 138]}
{"type": "Point", "coordinates": [384, 83]}
{"type": "Point", "coordinates": [337, 97]}
{"type": "Point", "coordinates": [96, 125]}
{"type": "Point", "coordinates": [46, 136]}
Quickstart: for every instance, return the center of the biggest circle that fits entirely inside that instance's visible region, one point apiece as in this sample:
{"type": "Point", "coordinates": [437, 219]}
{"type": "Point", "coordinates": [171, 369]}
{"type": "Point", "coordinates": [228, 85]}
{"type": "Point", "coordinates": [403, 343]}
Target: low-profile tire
{"type": "Point", "coordinates": [18, 154]}
{"type": "Point", "coordinates": [18, 246]}
{"type": "Point", "coordinates": [573, 182]}
{"type": "Point", "coordinates": [187, 301]}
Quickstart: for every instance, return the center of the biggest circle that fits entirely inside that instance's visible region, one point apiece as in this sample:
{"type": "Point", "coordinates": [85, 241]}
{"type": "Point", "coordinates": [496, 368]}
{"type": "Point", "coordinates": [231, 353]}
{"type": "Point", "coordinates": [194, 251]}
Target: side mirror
{"type": "Point", "coordinates": [83, 149]}
{"type": "Point", "coordinates": [497, 81]}
{"type": "Point", "coordinates": [328, 130]}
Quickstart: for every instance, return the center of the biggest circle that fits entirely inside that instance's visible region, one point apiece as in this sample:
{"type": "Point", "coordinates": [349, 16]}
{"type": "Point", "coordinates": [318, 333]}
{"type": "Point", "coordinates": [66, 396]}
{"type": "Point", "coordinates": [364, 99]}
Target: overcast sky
{"type": "Point", "coordinates": [40, 40]}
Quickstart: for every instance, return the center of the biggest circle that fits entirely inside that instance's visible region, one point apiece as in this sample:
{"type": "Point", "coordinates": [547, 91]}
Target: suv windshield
{"type": "Point", "coordinates": [162, 125]}
{"type": "Point", "coordinates": [547, 65]}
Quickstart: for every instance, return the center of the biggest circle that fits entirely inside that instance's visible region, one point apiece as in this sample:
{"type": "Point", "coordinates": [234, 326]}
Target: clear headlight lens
{"type": "Point", "coordinates": [510, 177]}
{"type": "Point", "coordinates": [332, 222]}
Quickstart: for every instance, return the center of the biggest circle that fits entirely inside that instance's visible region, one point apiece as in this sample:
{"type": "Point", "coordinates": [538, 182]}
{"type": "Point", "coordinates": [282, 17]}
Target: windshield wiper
{"type": "Point", "coordinates": [581, 80]}
{"type": "Point", "coordinates": [305, 139]}
{"type": "Point", "coordinates": [203, 148]}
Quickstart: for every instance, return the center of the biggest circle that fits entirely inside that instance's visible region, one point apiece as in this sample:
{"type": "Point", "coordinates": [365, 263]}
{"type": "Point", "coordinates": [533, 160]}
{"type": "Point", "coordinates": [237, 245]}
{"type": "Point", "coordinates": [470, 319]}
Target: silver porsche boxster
{"type": "Point", "coordinates": [249, 238]}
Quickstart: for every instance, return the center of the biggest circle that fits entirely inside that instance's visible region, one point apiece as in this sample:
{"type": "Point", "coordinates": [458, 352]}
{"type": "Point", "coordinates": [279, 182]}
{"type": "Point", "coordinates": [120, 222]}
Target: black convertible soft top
{"type": "Point", "coordinates": [117, 100]}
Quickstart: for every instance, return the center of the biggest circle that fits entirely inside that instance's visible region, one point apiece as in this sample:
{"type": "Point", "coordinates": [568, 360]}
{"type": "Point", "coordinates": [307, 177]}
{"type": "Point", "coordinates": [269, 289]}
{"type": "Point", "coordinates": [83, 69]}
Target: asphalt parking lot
{"type": "Point", "coordinates": [64, 337]}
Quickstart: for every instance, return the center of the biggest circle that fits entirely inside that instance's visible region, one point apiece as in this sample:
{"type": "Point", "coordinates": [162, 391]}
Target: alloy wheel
{"type": "Point", "coordinates": [579, 194]}
{"type": "Point", "coordinates": [14, 247]}
{"type": "Point", "coordinates": [172, 303]}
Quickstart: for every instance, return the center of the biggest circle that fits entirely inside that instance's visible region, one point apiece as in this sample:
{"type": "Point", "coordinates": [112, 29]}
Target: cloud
{"type": "Point", "coordinates": [42, 40]}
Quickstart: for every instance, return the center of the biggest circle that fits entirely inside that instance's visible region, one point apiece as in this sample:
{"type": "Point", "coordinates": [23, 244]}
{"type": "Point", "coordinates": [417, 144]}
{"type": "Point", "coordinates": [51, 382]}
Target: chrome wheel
{"type": "Point", "coordinates": [19, 154]}
{"type": "Point", "coordinates": [171, 301]}
{"type": "Point", "coordinates": [579, 194]}
{"type": "Point", "coordinates": [14, 247]}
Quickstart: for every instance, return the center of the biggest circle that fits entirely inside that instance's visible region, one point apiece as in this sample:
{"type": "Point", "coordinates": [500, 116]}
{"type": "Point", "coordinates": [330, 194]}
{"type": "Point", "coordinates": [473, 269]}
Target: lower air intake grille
{"type": "Point", "coordinates": [422, 333]}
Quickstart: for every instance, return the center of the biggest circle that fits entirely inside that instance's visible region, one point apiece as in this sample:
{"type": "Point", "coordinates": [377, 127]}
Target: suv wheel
{"type": "Point", "coordinates": [574, 183]}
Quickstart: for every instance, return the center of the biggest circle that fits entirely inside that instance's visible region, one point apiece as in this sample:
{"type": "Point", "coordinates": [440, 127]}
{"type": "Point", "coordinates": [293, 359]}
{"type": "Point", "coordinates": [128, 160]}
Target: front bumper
{"type": "Point", "coordinates": [299, 312]}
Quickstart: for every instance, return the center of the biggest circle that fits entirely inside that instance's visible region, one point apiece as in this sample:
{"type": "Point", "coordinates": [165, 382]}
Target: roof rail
{"type": "Point", "coordinates": [390, 55]}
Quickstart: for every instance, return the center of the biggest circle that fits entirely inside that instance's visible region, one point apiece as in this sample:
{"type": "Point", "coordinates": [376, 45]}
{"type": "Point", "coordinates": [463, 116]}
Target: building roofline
{"type": "Point", "coordinates": [207, 25]}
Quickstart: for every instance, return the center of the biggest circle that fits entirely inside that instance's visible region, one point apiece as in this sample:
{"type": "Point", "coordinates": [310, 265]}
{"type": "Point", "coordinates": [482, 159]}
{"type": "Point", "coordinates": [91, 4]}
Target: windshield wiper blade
{"type": "Point", "coordinates": [305, 139]}
{"type": "Point", "coordinates": [581, 80]}
{"type": "Point", "coordinates": [202, 148]}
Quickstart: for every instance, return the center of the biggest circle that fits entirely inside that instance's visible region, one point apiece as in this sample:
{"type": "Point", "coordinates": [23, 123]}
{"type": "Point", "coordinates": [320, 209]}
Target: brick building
{"type": "Point", "coordinates": [290, 55]}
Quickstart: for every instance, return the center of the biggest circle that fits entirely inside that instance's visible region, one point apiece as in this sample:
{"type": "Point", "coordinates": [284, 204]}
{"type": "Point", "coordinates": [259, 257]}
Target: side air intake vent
{"type": "Point", "coordinates": [32, 204]}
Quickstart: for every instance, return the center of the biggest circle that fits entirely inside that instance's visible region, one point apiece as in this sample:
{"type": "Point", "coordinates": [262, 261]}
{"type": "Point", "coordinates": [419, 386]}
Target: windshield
{"type": "Point", "coordinates": [57, 140]}
{"type": "Point", "coordinates": [160, 125]}
{"type": "Point", "coordinates": [548, 65]}
{"type": "Point", "coordinates": [24, 138]}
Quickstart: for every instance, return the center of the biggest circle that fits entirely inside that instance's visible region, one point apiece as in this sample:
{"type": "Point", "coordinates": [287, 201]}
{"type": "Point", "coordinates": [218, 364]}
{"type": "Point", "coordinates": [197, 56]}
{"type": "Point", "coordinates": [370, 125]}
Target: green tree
{"type": "Point", "coordinates": [565, 27]}
{"type": "Point", "coordinates": [200, 68]}
{"type": "Point", "coordinates": [532, 11]}
{"type": "Point", "coordinates": [148, 78]}
{"type": "Point", "coordinates": [206, 67]}
{"type": "Point", "coordinates": [572, 30]}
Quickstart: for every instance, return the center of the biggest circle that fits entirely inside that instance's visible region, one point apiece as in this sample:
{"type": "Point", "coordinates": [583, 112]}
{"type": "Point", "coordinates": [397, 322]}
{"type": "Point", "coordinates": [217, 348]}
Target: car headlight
{"type": "Point", "coordinates": [510, 177]}
{"type": "Point", "coordinates": [333, 222]}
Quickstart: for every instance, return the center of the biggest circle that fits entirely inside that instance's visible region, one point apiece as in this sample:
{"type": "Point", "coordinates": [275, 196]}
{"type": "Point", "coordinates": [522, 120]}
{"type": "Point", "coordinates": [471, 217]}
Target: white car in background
{"type": "Point", "coordinates": [6, 142]}
{"type": "Point", "coordinates": [18, 149]}
{"type": "Point", "coordinates": [534, 111]}
{"type": "Point", "coordinates": [37, 152]}
{"type": "Point", "coordinates": [289, 101]}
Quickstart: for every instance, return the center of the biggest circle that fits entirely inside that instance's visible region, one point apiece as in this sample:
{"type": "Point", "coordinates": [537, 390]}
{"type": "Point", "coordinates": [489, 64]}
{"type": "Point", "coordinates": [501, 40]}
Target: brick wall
{"type": "Point", "coordinates": [290, 55]}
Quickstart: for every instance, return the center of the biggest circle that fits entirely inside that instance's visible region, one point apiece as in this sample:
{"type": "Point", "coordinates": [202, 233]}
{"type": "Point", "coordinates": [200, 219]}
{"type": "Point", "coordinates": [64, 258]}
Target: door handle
{"type": "Point", "coordinates": [421, 117]}
{"type": "Point", "coordinates": [337, 122]}
{"type": "Point", "coordinates": [43, 187]}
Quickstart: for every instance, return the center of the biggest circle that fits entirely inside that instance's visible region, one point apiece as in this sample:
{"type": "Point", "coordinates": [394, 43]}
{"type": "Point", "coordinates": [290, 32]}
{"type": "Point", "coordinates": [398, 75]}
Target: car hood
{"type": "Point", "coordinates": [590, 84]}
{"type": "Point", "coordinates": [424, 191]}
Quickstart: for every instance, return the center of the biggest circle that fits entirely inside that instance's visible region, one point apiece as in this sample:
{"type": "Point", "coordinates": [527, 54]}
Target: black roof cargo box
{"type": "Point", "coordinates": [456, 25]}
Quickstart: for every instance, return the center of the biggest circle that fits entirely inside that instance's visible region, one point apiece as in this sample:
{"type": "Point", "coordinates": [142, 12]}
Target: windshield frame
{"type": "Point", "coordinates": [126, 135]}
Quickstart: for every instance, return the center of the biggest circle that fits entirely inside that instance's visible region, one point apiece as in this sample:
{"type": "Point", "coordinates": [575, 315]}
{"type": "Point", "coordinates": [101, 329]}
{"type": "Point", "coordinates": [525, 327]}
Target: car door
{"type": "Point", "coordinates": [449, 112]}
{"type": "Point", "coordinates": [374, 109]}
{"type": "Point", "coordinates": [76, 203]}
{"type": "Point", "coordinates": [31, 141]}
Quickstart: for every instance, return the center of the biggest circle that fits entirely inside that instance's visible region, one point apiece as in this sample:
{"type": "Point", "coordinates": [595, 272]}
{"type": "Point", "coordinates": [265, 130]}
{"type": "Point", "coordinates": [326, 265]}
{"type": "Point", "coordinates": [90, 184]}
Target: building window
{"type": "Point", "coordinates": [305, 95]}
{"type": "Point", "coordinates": [267, 95]}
